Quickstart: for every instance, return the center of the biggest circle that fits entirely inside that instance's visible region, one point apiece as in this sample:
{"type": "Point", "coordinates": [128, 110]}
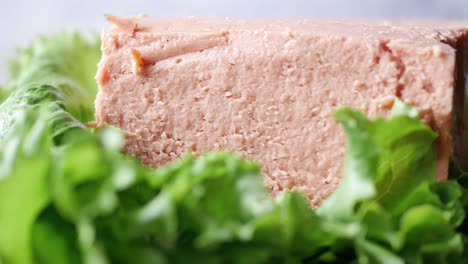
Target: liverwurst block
{"type": "Point", "coordinates": [266, 89]}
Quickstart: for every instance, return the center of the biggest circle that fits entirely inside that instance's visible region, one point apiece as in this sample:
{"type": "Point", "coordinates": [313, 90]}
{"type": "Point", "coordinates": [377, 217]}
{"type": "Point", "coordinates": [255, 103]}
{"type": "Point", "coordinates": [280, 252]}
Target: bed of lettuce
{"type": "Point", "coordinates": [68, 194]}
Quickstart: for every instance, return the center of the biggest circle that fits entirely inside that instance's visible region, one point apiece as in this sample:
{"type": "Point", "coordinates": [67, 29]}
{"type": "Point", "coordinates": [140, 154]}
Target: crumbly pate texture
{"type": "Point", "coordinates": [266, 89]}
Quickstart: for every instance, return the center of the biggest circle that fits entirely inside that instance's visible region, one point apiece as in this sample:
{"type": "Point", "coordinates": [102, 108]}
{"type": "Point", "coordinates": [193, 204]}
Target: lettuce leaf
{"type": "Point", "coordinates": [54, 76]}
{"type": "Point", "coordinates": [69, 195]}
{"type": "Point", "coordinates": [60, 70]}
{"type": "Point", "coordinates": [390, 195]}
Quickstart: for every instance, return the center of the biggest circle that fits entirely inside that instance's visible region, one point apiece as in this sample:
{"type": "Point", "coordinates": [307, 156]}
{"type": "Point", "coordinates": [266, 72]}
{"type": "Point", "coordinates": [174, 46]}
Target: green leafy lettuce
{"type": "Point", "coordinates": [69, 195]}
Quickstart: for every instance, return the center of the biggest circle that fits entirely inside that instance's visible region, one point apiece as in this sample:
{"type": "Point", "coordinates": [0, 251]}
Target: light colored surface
{"type": "Point", "coordinates": [21, 20]}
{"type": "Point", "coordinates": [260, 90]}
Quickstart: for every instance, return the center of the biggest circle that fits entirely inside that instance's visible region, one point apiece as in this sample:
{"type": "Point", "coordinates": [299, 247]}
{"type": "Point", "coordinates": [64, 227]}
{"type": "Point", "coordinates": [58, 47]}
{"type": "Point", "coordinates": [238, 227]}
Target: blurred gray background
{"type": "Point", "coordinates": [21, 20]}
